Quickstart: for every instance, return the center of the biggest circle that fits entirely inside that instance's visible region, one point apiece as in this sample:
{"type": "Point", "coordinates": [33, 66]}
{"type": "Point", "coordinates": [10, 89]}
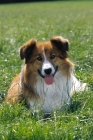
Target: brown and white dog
{"type": "Point", "coordinates": [46, 81]}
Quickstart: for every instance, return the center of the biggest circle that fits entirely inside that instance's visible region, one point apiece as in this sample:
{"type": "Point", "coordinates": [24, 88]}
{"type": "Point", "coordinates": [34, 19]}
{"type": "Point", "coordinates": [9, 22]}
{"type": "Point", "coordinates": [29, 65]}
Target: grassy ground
{"type": "Point", "coordinates": [19, 23]}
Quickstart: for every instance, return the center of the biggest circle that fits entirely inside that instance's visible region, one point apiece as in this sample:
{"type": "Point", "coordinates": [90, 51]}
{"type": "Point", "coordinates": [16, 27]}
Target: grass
{"type": "Point", "coordinates": [19, 23]}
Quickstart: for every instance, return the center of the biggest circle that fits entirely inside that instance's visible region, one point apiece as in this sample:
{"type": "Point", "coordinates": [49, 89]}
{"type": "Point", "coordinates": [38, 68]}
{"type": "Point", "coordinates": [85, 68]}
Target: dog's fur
{"type": "Point", "coordinates": [46, 80]}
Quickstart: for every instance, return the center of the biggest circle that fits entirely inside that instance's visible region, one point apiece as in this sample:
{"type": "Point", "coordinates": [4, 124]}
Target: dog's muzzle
{"type": "Point", "coordinates": [48, 72]}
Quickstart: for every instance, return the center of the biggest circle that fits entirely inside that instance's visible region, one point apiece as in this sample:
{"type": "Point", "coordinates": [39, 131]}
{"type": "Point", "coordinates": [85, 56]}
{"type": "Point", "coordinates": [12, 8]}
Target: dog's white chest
{"type": "Point", "coordinates": [57, 95]}
{"type": "Point", "coordinates": [53, 96]}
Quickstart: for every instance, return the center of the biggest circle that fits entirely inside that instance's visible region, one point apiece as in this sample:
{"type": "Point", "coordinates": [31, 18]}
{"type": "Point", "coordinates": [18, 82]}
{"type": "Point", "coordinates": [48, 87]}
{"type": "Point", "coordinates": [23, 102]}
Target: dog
{"type": "Point", "coordinates": [46, 81]}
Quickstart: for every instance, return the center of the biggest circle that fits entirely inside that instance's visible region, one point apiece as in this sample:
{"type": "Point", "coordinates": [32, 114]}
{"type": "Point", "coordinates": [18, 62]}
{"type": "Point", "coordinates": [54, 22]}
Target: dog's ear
{"type": "Point", "coordinates": [61, 43]}
{"type": "Point", "coordinates": [27, 49]}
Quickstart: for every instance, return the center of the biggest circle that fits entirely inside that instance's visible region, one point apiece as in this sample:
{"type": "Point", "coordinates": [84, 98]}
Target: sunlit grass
{"type": "Point", "coordinates": [19, 23]}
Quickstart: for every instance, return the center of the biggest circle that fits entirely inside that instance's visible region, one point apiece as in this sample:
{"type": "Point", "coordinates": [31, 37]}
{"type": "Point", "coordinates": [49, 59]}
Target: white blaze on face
{"type": "Point", "coordinates": [48, 78]}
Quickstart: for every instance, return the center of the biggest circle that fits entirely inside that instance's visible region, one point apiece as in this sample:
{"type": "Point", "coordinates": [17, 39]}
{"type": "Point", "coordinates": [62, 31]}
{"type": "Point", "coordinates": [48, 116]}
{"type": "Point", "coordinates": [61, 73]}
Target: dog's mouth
{"type": "Point", "coordinates": [48, 78]}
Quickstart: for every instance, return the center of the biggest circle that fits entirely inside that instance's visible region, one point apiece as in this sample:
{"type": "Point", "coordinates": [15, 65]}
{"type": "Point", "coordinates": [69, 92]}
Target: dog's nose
{"type": "Point", "coordinates": [48, 71]}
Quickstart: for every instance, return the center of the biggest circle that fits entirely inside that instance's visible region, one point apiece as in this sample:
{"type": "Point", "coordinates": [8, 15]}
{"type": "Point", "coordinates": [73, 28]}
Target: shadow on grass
{"type": "Point", "coordinates": [74, 106]}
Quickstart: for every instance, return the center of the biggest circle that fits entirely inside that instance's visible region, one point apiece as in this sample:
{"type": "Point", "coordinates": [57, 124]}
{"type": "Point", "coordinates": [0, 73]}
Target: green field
{"type": "Point", "coordinates": [19, 23]}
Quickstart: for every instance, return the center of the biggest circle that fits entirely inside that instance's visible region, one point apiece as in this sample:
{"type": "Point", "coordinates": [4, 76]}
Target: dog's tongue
{"type": "Point", "coordinates": [49, 80]}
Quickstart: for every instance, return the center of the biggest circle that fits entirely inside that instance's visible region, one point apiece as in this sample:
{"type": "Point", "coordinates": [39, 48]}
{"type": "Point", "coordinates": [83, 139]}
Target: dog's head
{"type": "Point", "coordinates": [44, 59]}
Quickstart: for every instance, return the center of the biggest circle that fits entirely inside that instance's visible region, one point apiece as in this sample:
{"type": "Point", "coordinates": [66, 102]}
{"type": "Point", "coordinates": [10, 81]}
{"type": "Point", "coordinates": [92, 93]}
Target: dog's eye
{"type": "Point", "coordinates": [52, 56]}
{"type": "Point", "coordinates": [39, 58]}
